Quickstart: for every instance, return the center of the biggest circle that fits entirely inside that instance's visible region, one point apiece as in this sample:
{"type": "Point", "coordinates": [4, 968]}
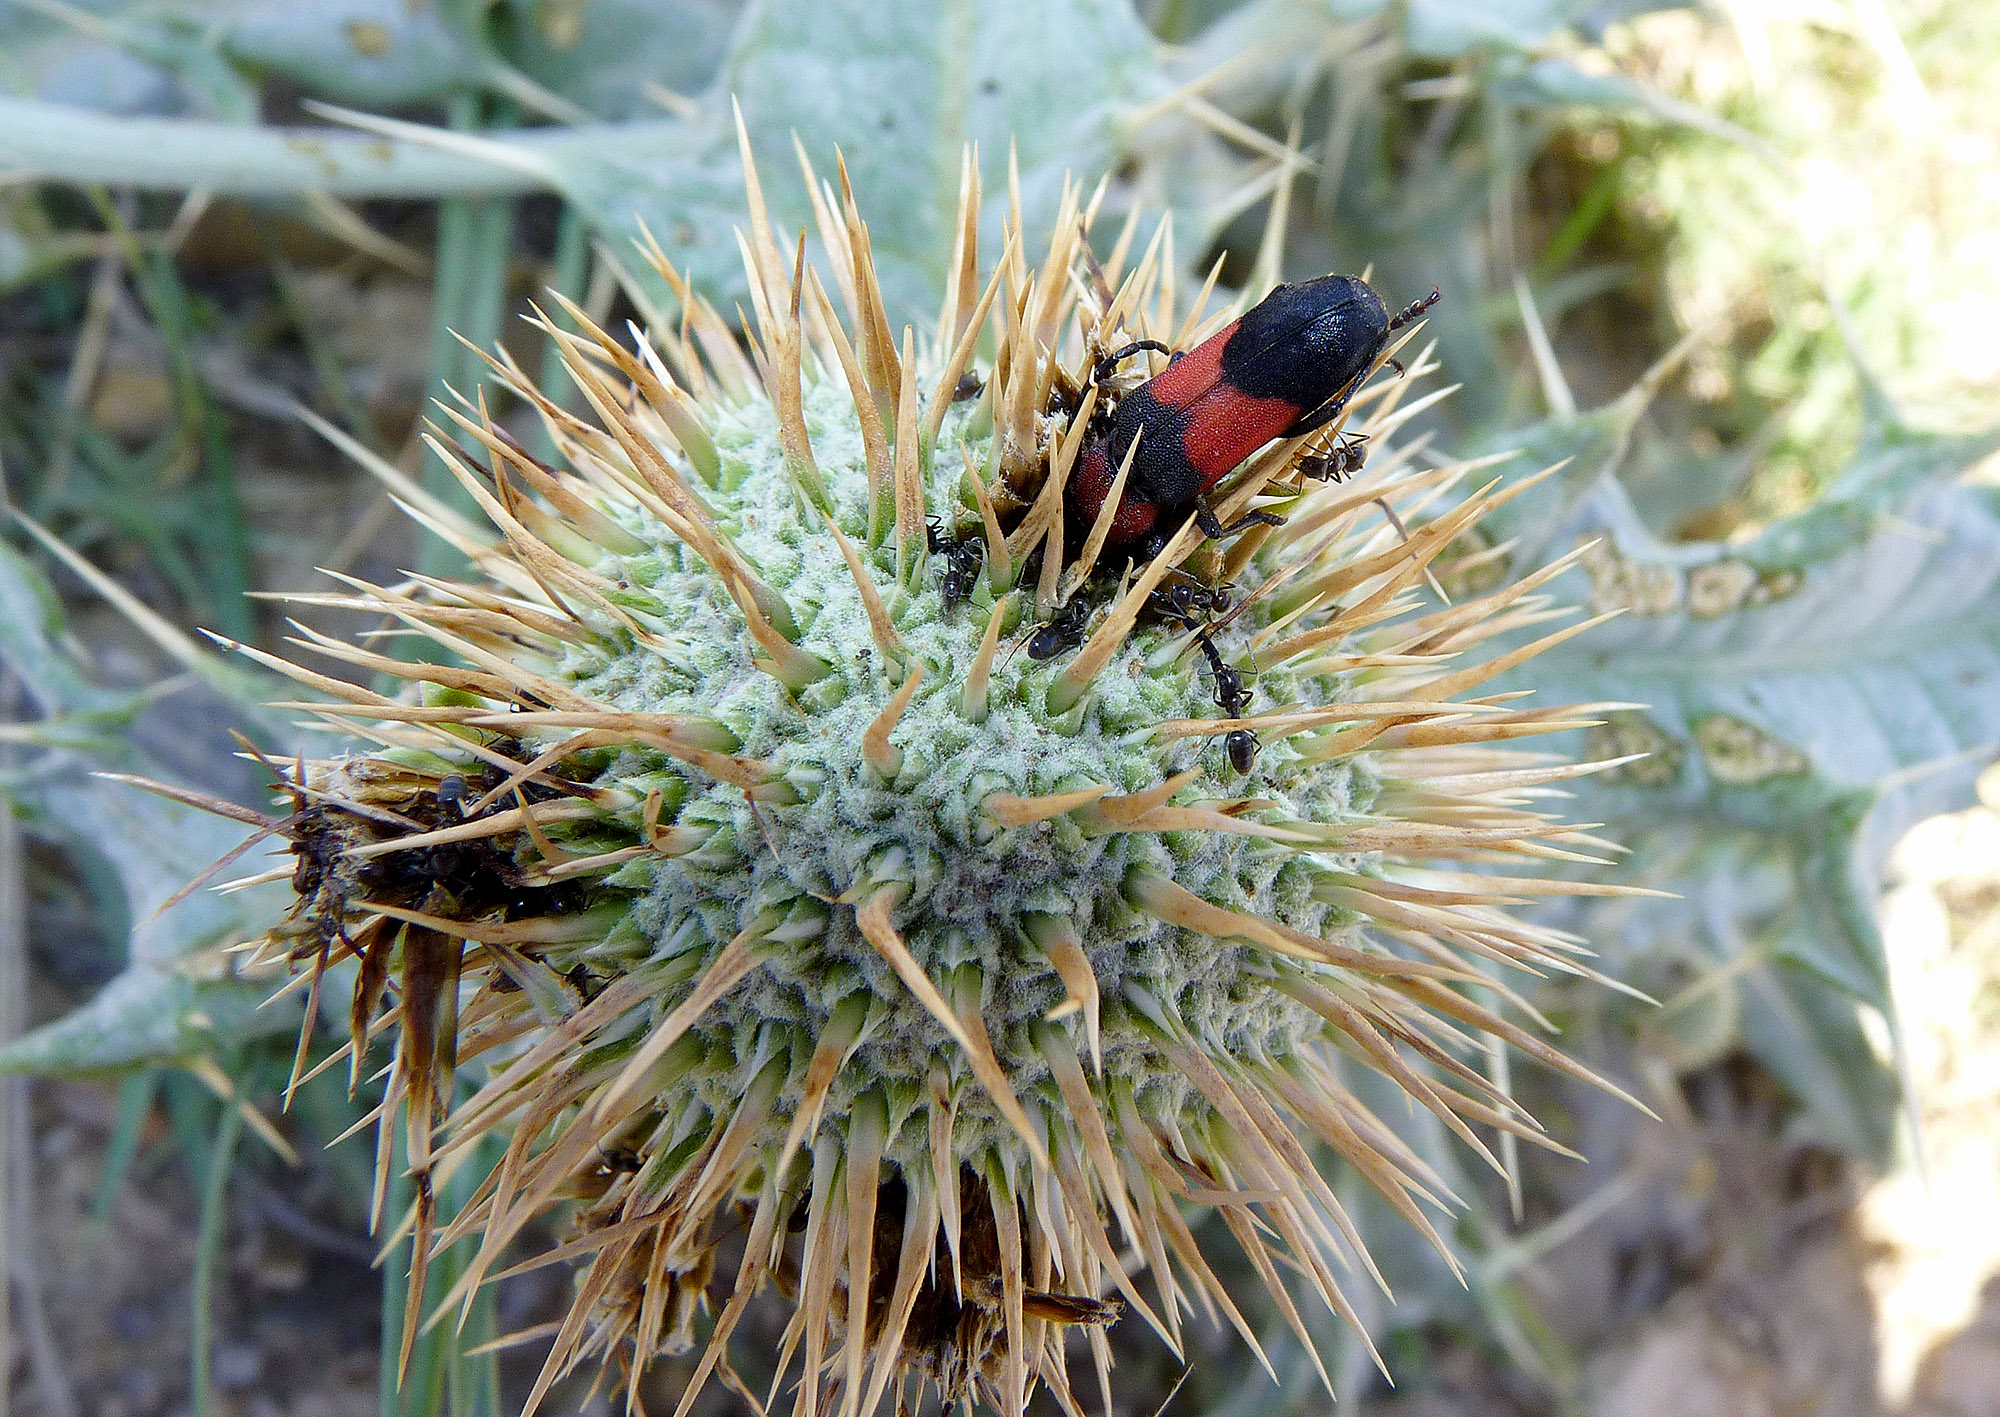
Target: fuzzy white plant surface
{"type": "Point", "coordinates": [729, 862]}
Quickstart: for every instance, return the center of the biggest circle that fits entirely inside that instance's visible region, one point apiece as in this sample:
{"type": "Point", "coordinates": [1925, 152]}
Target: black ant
{"type": "Point", "coordinates": [1063, 631]}
{"type": "Point", "coordinates": [1344, 459]}
{"type": "Point", "coordinates": [1179, 603]}
{"type": "Point", "coordinates": [1337, 463]}
{"type": "Point", "coordinates": [969, 386]}
{"type": "Point", "coordinates": [1232, 698]}
{"type": "Point", "coordinates": [963, 555]}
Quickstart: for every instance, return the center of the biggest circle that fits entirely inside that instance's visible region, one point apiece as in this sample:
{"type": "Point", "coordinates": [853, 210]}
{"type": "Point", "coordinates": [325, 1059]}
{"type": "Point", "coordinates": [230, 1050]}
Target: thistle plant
{"type": "Point", "coordinates": [730, 866]}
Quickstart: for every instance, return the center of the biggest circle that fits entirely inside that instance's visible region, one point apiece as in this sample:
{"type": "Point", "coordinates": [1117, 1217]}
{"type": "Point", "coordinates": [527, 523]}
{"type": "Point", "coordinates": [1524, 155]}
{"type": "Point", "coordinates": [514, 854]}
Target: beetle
{"type": "Point", "coordinates": [1288, 366]}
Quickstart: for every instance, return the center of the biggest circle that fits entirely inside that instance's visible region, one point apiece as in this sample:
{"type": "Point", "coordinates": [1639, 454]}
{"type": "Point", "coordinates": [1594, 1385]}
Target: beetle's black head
{"type": "Point", "coordinates": [1305, 342]}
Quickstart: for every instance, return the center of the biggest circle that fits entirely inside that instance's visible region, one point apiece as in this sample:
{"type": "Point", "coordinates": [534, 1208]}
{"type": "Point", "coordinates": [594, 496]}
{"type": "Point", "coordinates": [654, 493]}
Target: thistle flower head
{"type": "Point", "coordinates": [754, 880]}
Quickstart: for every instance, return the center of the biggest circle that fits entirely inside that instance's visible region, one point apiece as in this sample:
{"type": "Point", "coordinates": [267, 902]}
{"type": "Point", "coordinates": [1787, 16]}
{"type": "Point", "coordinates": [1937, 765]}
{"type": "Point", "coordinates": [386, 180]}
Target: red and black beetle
{"type": "Point", "coordinates": [1287, 367]}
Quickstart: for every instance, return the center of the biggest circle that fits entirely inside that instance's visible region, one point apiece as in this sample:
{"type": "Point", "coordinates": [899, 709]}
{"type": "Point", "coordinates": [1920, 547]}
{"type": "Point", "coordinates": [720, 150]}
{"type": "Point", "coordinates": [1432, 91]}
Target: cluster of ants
{"type": "Point", "coordinates": [1185, 603]}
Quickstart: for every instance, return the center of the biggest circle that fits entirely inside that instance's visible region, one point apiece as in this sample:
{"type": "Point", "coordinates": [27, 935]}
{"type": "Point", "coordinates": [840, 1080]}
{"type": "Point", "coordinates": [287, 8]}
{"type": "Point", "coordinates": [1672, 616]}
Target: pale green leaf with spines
{"type": "Point", "coordinates": [900, 89]}
{"type": "Point", "coordinates": [380, 53]}
{"type": "Point", "coordinates": [176, 997]}
{"type": "Point", "coordinates": [1812, 691]}
{"type": "Point", "coordinates": [31, 626]}
{"type": "Point", "coordinates": [1445, 29]}
{"type": "Point", "coordinates": [167, 1004]}
{"type": "Point", "coordinates": [614, 57]}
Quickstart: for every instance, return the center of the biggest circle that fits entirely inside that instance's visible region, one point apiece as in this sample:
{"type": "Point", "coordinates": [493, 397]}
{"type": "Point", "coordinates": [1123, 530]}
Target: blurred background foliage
{"type": "Point", "coordinates": [1739, 262]}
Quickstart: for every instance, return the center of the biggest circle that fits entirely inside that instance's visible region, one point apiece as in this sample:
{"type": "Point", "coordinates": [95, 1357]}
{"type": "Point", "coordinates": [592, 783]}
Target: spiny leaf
{"type": "Point", "coordinates": [914, 83]}
{"type": "Point", "coordinates": [31, 624]}
{"type": "Point", "coordinates": [175, 997]}
{"type": "Point", "coordinates": [1444, 29]}
{"type": "Point", "coordinates": [1812, 690]}
{"type": "Point", "coordinates": [154, 1011]}
{"type": "Point", "coordinates": [1733, 961]}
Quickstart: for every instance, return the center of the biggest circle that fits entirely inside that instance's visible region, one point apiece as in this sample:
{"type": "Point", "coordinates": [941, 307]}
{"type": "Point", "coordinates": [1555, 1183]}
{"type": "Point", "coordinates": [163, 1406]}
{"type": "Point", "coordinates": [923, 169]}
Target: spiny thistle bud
{"type": "Point", "coordinates": [766, 886]}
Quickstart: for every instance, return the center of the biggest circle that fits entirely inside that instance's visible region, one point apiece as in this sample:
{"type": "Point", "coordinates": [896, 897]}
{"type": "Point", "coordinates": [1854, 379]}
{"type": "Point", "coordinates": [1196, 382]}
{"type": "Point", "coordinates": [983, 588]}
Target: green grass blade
{"type": "Point", "coordinates": [208, 1252]}
{"type": "Point", "coordinates": [391, 1394]}
{"type": "Point", "coordinates": [567, 273]}
{"type": "Point", "coordinates": [135, 1103]}
{"type": "Point", "coordinates": [473, 1381]}
{"type": "Point", "coordinates": [475, 239]}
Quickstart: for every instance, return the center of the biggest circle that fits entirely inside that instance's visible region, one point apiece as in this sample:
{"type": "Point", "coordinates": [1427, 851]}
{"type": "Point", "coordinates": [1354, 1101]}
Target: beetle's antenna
{"type": "Point", "coordinates": [1414, 309]}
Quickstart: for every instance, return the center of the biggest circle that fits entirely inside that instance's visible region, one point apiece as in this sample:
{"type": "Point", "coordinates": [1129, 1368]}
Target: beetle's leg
{"type": "Point", "coordinates": [1326, 412]}
{"type": "Point", "coordinates": [1214, 530]}
{"type": "Point", "coordinates": [1250, 519]}
{"type": "Point", "coordinates": [1110, 362]}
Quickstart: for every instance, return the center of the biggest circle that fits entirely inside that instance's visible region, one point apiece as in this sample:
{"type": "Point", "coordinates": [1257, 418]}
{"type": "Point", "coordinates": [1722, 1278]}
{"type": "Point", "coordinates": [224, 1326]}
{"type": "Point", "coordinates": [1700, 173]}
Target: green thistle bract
{"type": "Point", "coordinates": [755, 879]}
